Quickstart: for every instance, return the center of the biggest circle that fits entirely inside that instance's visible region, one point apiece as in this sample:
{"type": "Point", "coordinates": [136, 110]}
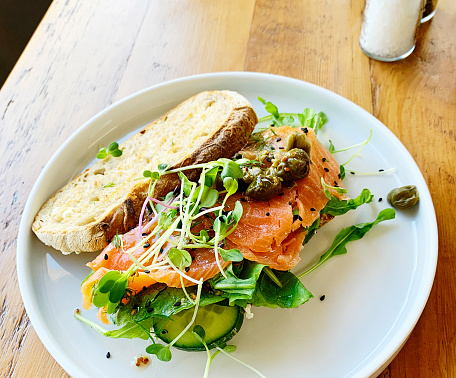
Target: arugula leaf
{"type": "Point", "coordinates": [292, 293]}
{"type": "Point", "coordinates": [339, 207]}
{"type": "Point", "coordinates": [311, 230]}
{"type": "Point", "coordinates": [240, 283]}
{"type": "Point", "coordinates": [159, 301]}
{"type": "Point", "coordinates": [347, 235]}
{"type": "Point", "coordinates": [132, 330]}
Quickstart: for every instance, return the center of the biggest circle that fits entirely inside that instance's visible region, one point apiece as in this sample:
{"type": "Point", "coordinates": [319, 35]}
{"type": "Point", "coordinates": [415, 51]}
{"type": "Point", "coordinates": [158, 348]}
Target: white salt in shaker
{"type": "Point", "coordinates": [388, 31]}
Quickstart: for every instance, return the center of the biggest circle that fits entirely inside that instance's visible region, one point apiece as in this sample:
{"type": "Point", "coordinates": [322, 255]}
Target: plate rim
{"type": "Point", "coordinates": [376, 365]}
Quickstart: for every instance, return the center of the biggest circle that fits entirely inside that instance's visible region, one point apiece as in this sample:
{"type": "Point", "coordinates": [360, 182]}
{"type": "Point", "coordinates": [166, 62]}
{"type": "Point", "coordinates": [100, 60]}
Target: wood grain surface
{"type": "Point", "coordinates": [85, 55]}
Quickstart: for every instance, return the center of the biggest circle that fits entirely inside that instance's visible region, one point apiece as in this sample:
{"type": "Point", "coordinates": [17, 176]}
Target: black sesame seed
{"type": "Point", "coordinates": [323, 160]}
{"type": "Point", "coordinates": [106, 256]}
{"type": "Point", "coordinates": [290, 203]}
{"type": "Point", "coordinates": [380, 199]}
{"type": "Point", "coordinates": [108, 241]}
{"type": "Point", "coordinates": [176, 191]}
{"type": "Point", "coordinates": [221, 245]}
{"type": "Point", "coordinates": [352, 172]}
{"type": "Point", "coordinates": [281, 194]}
{"type": "Point", "coordinates": [131, 228]}
{"type": "Point", "coordinates": [279, 139]}
{"type": "Point", "coordinates": [281, 148]}
{"type": "Point", "coordinates": [322, 298]}
{"type": "Point", "coordinates": [338, 175]}
{"type": "Point", "coordinates": [272, 148]}
{"type": "Point", "coordinates": [187, 268]}
{"type": "Point", "coordinates": [144, 287]}
{"type": "Point", "coordinates": [238, 156]}
{"type": "Point", "coordinates": [304, 129]}
{"type": "Point", "coordinates": [295, 218]}
{"type": "Point", "coordinates": [108, 355]}
{"type": "Point", "coordinates": [147, 245]}
{"type": "Point", "coordinates": [268, 160]}
{"type": "Point", "coordinates": [267, 214]}
{"type": "Point", "coordinates": [272, 125]}
{"type": "Point", "coordinates": [164, 332]}
{"type": "Point", "coordinates": [144, 234]}
{"type": "Point", "coordinates": [147, 271]}
{"type": "Point", "coordinates": [299, 217]}
{"type": "Point", "coordinates": [381, 170]}
{"type": "Point", "coordinates": [243, 199]}
{"type": "Point", "coordinates": [326, 170]}
{"type": "Point", "coordinates": [312, 209]}
{"type": "Point", "coordinates": [161, 250]}
{"type": "Point", "coordinates": [177, 304]}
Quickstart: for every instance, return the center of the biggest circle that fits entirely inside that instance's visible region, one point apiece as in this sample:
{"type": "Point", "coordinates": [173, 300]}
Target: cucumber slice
{"type": "Point", "coordinates": [220, 323]}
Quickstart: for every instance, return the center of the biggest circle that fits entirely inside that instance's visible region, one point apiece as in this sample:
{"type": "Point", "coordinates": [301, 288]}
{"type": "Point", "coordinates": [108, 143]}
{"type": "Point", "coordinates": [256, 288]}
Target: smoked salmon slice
{"type": "Point", "coordinates": [266, 225]}
{"type": "Point", "coordinates": [269, 232]}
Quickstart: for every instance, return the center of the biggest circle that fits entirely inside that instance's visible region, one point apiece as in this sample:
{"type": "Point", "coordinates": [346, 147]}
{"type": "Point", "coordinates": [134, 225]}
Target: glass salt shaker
{"type": "Point", "coordinates": [429, 10]}
{"type": "Point", "coordinates": [388, 30]}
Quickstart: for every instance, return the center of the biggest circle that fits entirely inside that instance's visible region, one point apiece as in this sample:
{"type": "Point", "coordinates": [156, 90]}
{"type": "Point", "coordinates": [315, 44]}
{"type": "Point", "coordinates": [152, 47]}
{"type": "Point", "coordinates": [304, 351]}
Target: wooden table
{"type": "Point", "coordinates": [85, 55]}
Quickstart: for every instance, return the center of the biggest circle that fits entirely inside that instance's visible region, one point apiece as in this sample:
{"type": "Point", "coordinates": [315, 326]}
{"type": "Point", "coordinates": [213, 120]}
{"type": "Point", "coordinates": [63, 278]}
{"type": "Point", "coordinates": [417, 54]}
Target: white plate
{"type": "Point", "coordinates": [374, 294]}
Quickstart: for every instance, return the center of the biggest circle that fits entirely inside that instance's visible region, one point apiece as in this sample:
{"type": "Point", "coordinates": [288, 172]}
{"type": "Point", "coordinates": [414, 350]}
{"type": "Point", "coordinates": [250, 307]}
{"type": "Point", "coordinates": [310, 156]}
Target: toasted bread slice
{"type": "Point", "coordinates": [107, 198]}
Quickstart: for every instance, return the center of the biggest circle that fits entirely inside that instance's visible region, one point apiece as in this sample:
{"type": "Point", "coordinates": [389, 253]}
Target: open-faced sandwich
{"type": "Point", "coordinates": [200, 216]}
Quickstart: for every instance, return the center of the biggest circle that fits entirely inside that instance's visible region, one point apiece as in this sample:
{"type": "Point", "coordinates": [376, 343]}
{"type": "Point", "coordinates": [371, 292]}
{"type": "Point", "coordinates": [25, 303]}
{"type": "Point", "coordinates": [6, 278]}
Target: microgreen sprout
{"type": "Point", "coordinates": [379, 173]}
{"type": "Point", "coordinates": [117, 241]}
{"type": "Point", "coordinates": [308, 118]}
{"type": "Point", "coordinates": [110, 185]}
{"type": "Point", "coordinates": [200, 334]}
{"type": "Point", "coordinates": [336, 188]}
{"type": "Point", "coordinates": [113, 150]}
{"type": "Point", "coordinates": [231, 348]}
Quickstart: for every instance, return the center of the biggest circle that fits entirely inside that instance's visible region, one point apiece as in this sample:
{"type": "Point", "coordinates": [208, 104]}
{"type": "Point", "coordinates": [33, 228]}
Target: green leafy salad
{"type": "Point", "coordinates": [187, 285]}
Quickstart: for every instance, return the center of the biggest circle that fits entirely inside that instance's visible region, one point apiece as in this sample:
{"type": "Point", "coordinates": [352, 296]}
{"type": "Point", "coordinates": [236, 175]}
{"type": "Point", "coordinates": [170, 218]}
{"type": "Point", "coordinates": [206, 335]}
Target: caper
{"type": "Point", "coordinates": [404, 198]}
{"type": "Point", "coordinates": [299, 140]}
{"type": "Point", "coordinates": [294, 165]}
{"type": "Point", "coordinates": [250, 173]}
{"type": "Point", "coordinates": [264, 187]}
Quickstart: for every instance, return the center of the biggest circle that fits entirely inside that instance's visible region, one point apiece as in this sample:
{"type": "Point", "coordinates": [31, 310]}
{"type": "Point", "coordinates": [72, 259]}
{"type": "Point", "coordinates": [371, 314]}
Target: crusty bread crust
{"type": "Point", "coordinates": [227, 137]}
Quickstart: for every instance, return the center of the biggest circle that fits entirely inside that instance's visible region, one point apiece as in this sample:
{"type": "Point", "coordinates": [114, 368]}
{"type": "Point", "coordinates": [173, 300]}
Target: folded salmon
{"type": "Point", "coordinates": [269, 232]}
